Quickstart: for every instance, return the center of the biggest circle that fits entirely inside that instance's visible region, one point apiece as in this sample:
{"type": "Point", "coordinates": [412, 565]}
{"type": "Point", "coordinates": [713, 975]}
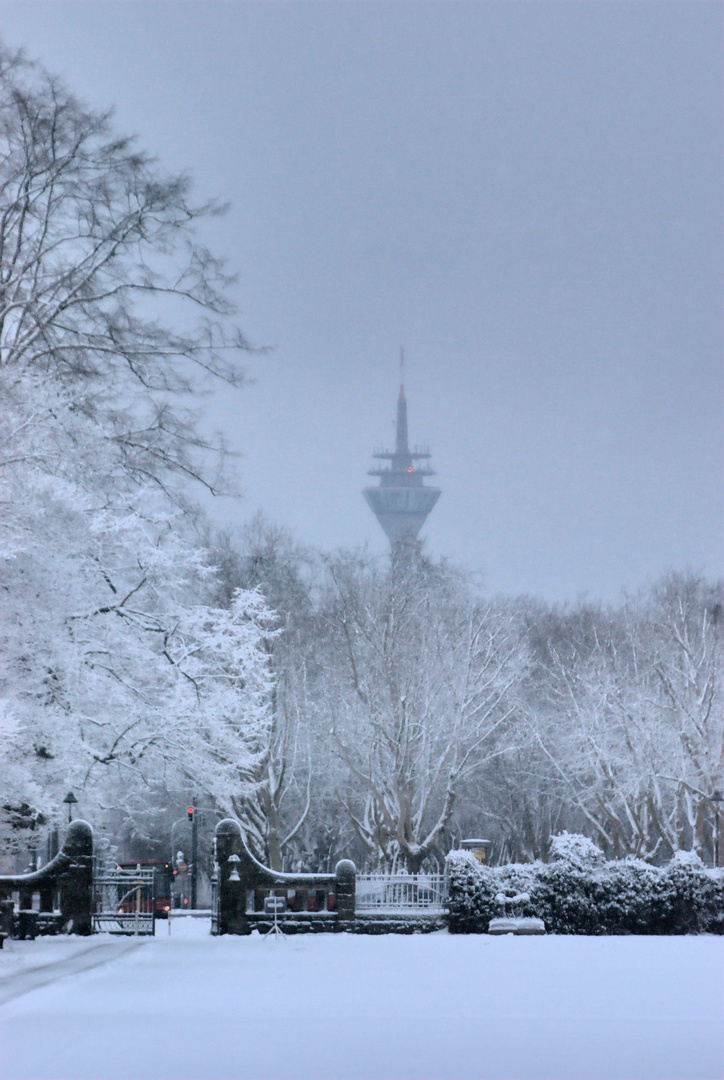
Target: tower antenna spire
{"type": "Point", "coordinates": [402, 501]}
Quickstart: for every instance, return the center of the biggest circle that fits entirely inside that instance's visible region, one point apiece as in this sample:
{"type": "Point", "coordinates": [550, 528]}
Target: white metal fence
{"type": "Point", "coordinates": [400, 892]}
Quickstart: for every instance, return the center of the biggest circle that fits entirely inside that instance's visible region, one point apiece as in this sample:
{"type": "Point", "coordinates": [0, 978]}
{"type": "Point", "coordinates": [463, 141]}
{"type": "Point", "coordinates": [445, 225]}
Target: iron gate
{"type": "Point", "coordinates": [123, 901]}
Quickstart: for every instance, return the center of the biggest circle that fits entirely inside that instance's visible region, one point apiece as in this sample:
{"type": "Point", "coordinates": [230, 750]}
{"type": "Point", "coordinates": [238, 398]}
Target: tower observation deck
{"type": "Point", "coordinates": [401, 502]}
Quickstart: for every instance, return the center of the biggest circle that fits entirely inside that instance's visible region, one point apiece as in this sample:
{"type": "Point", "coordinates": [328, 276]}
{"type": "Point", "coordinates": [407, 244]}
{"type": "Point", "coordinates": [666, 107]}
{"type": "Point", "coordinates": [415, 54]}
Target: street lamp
{"type": "Point", "coordinates": [716, 798]}
{"type": "Point", "coordinates": [70, 799]}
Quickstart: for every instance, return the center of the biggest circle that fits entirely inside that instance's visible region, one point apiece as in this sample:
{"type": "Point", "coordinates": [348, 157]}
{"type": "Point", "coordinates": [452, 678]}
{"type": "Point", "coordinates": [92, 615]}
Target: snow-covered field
{"type": "Point", "coordinates": [192, 1007]}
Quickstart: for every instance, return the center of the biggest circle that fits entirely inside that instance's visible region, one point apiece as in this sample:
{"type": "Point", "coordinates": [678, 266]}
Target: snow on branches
{"type": "Point", "coordinates": [117, 673]}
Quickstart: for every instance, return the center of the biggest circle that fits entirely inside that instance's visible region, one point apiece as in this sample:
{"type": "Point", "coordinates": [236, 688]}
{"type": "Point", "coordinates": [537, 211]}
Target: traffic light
{"type": "Point", "coordinates": [190, 812]}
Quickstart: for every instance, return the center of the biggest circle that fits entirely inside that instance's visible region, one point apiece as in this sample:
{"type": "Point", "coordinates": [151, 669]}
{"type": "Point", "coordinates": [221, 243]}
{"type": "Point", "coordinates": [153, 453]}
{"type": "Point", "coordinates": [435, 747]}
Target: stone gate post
{"type": "Point", "coordinates": [234, 878]}
{"type": "Point", "coordinates": [346, 873]}
{"type": "Point", "coordinates": [71, 872]}
{"type": "Point", "coordinates": [75, 879]}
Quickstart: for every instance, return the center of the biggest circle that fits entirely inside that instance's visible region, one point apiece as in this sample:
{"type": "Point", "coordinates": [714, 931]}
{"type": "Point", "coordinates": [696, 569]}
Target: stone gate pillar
{"type": "Point", "coordinates": [346, 873]}
{"type": "Point", "coordinates": [75, 879]}
{"type": "Point", "coordinates": [236, 874]}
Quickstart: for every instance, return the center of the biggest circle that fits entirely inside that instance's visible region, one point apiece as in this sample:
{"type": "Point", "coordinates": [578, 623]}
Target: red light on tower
{"type": "Point", "coordinates": [190, 812]}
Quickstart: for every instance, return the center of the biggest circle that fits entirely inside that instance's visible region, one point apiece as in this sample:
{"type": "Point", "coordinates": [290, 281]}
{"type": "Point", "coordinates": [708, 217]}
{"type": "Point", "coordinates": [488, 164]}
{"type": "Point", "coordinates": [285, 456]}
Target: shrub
{"type": "Point", "coordinates": [576, 851]}
{"type": "Point", "coordinates": [579, 892]}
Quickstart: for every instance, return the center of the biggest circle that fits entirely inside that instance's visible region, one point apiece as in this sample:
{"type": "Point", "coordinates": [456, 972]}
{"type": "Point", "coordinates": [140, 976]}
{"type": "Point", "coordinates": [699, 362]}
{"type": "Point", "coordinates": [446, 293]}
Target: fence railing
{"type": "Point", "coordinates": [400, 892]}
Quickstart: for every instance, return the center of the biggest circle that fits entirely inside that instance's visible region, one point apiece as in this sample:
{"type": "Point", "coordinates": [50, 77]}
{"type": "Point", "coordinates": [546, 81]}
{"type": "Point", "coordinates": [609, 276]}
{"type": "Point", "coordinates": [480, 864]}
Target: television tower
{"type": "Point", "coordinates": [401, 503]}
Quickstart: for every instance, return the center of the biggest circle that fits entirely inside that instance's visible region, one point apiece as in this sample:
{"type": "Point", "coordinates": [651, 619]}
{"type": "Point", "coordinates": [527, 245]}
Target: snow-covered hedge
{"type": "Point", "coordinates": [579, 892]}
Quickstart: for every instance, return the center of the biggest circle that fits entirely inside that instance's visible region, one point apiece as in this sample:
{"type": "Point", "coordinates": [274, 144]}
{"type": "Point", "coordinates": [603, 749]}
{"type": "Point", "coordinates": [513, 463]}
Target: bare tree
{"type": "Point", "coordinates": [635, 722]}
{"type": "Point", "coordinates": [421, 692]}
{"type": "Point", "coordinates": [686, 623]}
{"type": "Point", "coordinates": [266, 557]}
{"type": "Point", "coordinates": [113, 314]}
{"type": "Point", "coordinates": [91, 231]}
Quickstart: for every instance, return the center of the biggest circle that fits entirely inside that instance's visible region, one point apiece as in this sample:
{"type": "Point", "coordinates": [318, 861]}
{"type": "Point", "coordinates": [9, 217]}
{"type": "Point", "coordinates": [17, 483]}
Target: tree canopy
{"type": "Point", "coordinates": [114, 317]}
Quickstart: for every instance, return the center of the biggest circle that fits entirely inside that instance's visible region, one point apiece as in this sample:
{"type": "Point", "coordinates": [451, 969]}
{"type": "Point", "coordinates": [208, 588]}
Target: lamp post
{"type": "Point", "coordinates": [70, 799]}
{"type": "Point", "coordinates": [716, 798]}
{"type": "Point", "coordinates": [193, 818]}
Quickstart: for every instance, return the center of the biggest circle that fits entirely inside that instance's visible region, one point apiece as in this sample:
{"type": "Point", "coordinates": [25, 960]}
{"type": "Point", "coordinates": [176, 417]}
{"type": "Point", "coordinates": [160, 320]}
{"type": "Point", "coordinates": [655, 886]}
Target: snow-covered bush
{"type": "Point", "coordinates": [580, 893]}
{"type": "Point", "coordinates": [576, 851]}
{"type": "Point", "coordinates": [471, 892]}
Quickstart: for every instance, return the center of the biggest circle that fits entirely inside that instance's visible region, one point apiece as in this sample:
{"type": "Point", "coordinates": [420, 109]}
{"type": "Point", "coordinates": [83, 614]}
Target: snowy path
{"type": "Point", "coordinates": [85, 956]}
{"type": "Point", "coordinates": [192, 1007]}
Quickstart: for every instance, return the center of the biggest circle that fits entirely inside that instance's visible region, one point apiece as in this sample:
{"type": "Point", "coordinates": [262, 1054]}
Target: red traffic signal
{"type": "Point", "coordinates": [190, 812]}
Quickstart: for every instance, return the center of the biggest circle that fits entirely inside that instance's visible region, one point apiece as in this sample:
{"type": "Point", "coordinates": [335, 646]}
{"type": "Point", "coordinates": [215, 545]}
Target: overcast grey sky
{"type": "Point", "coordinates": [527, 196]}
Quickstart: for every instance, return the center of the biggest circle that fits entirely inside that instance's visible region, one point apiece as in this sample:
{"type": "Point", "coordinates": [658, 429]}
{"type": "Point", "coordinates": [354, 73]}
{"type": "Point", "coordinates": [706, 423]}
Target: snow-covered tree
{"type": "Point", "coordinates": [119, 674]}
{"type": "Point", "coordinates": [634, 727]}
{"type": "Point", "coordinates": [105, 289]}
{"type": "Point", "coordinates": [265, 556]}
{"type": "Point", "coordinates": [421, 692]}
{"type": "Point", "coordinates": [113, 316]}
{"type": "Point", "coordinates": [221, 733]}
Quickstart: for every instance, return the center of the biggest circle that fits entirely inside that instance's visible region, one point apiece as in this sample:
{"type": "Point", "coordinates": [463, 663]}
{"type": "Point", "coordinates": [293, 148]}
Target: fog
{"type": "Point", "coordinates": [527, 197]}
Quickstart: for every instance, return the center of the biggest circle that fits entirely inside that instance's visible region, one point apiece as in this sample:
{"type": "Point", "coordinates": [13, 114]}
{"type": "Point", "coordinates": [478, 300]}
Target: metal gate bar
{"type": "Point", "coordinates": [123, 902]}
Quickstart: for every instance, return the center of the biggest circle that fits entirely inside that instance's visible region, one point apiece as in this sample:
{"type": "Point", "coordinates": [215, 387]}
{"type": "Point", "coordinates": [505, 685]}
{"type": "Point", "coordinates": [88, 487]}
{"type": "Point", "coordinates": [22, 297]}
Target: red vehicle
{"type": "Point", "coordinates": [160, 901]}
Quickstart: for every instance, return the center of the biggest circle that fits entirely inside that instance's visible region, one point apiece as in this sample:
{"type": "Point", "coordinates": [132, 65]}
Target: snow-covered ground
{"type": "Point", "coordinates": [337, 1007]}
